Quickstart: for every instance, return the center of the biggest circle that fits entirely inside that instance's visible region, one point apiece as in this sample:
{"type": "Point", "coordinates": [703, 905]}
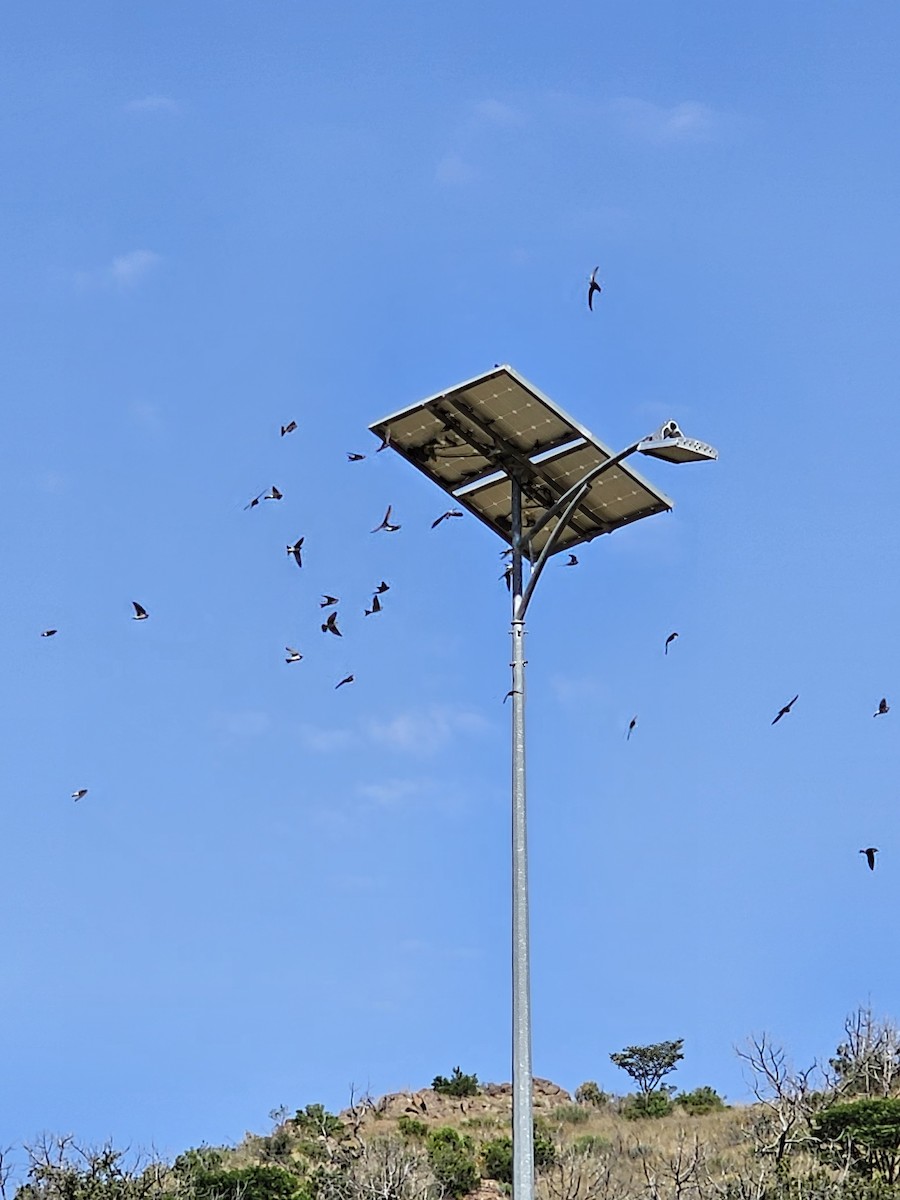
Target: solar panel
{"type": "Point", "coordinates": [473, 438]}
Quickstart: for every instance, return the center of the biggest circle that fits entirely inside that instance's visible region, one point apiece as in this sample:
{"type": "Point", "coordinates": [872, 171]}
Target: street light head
{"type": "Point", "coordinates": [670, 444]}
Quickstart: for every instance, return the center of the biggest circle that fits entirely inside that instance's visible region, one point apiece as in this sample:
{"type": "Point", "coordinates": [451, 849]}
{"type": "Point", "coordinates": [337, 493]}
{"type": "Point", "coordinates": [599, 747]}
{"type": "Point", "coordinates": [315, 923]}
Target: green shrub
{"type": "Point", "coordinates": [591, 1143]}
{"type": "Point", "coordinates": [700, 1100]}
{"type": "Point", "coordinates": [452, 1158]}
{"type": "Point", "coordinates": [571, 1114]}
{"type": "Point", "coordinates": [869, 1130]}
{"type": "Point", "coordinates": [248, 1183]}
{"type": "Point", "coordinates": [458, 1085]}
{"type": "Point", "coordinates": [496, 1159]}
{"type": "Point", "coordinates": [411, 1127]}
{"type": "Point", "coordinates": [317, 1121]}
{"type": "Point", "coordinates": [646, 1104]}
{"type": "Point", "coordinates": [589, 1093]}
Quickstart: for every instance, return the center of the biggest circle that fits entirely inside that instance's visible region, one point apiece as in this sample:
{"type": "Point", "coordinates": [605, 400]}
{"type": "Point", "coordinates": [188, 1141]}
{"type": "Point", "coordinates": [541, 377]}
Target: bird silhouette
{"type": "Point", "coordinates": [593, 288]}
{"type": "Point", "coordinates": [253, 503]}
{"type": "Point", "coordinates": [376, 606]}
{"type": "Point", "coordinates": [382, 588]}
{"type": "Point", "coordinates": [274, 494]}
{"type": "Point", "coordinates": [328, 601]}
{"type": "Point", "coordinates": [140, 613]}
{"type": "Point", "coordinates": [631, 726]}
{"type": "Point", "coordinates": [49, 632]}
{"type": "Point", "coordinates": [669, 639]}
{"type": "Point", "coordinates": [386, 523]}
{"type": "Point", "coordinates": [295, 552]}
{"type": "Point", "coordinates": [385, 442]}
{"type": "Point", "coordinates": [346, 679]}
{"type": "Point", "coordinates": [330, 625]}
{"type": "Point", "coordinates": [511, 692]}
{"type": "Point", "coordinates": [507, 575]}
{"type": "Point", "coordinates": [452, 512]}
{"type": "Point", "coordinates": [573, 561]}
{"type": "Point", "coordinates": [783, 712]}
{"type": "Point", "coordinates": [289, 428]}
{"type": "Point", "coordinates": [883, 707]}
{"type": "Point", "coordinates": [352, 457]}
{"type": "Point", "coordinates": [293, 655]}
{"type": "Point", "coordinates": [80, 794]}
{"type": "Point", "coordinates": [870, 853]}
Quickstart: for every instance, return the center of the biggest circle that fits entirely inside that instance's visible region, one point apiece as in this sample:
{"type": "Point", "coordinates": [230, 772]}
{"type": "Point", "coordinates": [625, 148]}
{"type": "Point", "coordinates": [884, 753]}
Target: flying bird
{"type": "Point", "coordinates": [80, 794]}
{"type": "Point", "coordinates": [352, 457]}
{"type": "Point", "coordinates": [328, 601]}
{"type": "Point", "coordinates": [295, 551]}
{"type": "Point", "coordinates": [376, 606]}
{"type": "Point", "coordinates": [330, 625]}
{"type": "Point", "coordinates": [49, 632]}
{"type": "Point", "coordinates": [385, 442]}
{"type": "Point", "coordinates": [593, 287]}
{"type": "Point", "coordinates": [631, 726]}
{"type": "Point", "coordinates": [289, 428]}
{"type": "Point", "coordinates": [346, 679]}
{"type": "Point", "coordinates": [870, 853]}
{"type": "Point", "coordinates": [782, 712]}
{"type": "Point", "coordinates": [453, 512]}
{"type": "Point", "coordinates": [293, 655]}
{"type": "Point", "coordinates": [883, 707]}
{"type": "Point", "coordinates": [573, 561]}
{"type": "Point", "coordinates": [511, 692]}
{"type": "Point", "coordinates": [669, 639]}
{"type": "Point", "coordinates": [382, 588]}
{"type": "Point", "coordinates": [386, 523]}
{"type": "Point", "coordinates": [253, 503]}
{"type": "Point", "coordinates": [140, 613]}
{"type": "Point", "coordinates": [274, 494]}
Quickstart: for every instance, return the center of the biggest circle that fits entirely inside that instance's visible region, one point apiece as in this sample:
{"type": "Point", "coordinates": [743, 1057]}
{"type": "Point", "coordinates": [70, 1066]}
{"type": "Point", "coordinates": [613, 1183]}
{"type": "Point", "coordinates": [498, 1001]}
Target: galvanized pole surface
{"type": "Point", "coordinates": [523, 1144]}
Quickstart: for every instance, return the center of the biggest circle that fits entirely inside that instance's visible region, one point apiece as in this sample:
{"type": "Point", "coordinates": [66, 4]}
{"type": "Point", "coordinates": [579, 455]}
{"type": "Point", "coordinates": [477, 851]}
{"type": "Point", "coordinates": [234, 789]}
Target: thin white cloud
{"type": "Point", "coordinates": [152, 104]}
{"type": "Point", "coordinates": [454, 171]}
{"type": "Point", "coordinates": [688, 121]}
{"type": "Point", "coordinates": [393, 791]}
{"type": "Point", "coordinates": [495, 112]}
{"type": "Point", "coordinates": [325, 741]}
{"type": "Point", "coordinates": [242, 723]}
{"type": "Point", "coordinates": [127, 270]}
{"type": "Point", "coordinates": [423, 733]}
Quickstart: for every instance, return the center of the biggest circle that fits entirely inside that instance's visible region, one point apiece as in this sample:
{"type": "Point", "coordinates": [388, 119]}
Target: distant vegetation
{"type": "Point", "coordinates": [827, 1132]}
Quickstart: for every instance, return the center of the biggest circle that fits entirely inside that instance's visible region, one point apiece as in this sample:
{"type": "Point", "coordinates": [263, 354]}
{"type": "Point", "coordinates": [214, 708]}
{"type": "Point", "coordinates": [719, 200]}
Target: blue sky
{"type": "Point", "coordinates": [219, 217]}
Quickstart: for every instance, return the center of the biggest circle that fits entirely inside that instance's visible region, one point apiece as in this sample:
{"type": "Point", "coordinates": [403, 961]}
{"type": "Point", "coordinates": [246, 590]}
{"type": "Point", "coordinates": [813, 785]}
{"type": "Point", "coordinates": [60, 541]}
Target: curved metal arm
{"type": "Point", "coordinates": [570, 499]}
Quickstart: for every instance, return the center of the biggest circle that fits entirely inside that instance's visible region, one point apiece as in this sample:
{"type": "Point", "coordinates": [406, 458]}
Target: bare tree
{"type": "Point", "coordinates": [867, 1062]}
{"type": "Point", "coordinates": [582, 1174]}
{"type": "Point", "coordinates": [384, 1169]}
{"type": "Point", "coordinates": [677, 1174]}
{"type": "Point", "coordinates": [785, 1096]}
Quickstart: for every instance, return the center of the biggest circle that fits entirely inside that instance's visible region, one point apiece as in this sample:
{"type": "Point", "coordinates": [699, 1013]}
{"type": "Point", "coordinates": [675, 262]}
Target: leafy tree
{"type": "Point", "coordinates": [864, 1132]}
{"type": "Point", "coordinates": [497, 1155]}
{"type": "Point", "coordinates": [315, 1120]}
{"type": "Point", "coordinates": [589, 1093]}
{"type": "Point", "coordinates": [411, 1127]}
{"type": "Point", "coordinates": [256, 1182]}
{"type": "Point", "coordinates": [452, 1158]}
{"type": "Point", "coordinates": [458, 1085]}
{"type": "Point", "coordinates": [649, 1065]}
{"type": "Point", "coordinates": [700, 1100]}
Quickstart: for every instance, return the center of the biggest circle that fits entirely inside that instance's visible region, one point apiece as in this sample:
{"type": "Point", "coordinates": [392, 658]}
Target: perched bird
{"type": "Point", "coordinates": [573, 561]}
{"type": "Point", "coordinates": [328, 601]}
{"type": "Point", "coordinates": [140, 613]}
{"type": "Point", "coordinates": [376, 606]}
{"type": "Point", "coordinates": [273, 495]}
{"type": "Point", "coordinates": [346, 679]}
{"type": "Point", "coordinates": [593, 287]}
{"type": "Point", "coordinates": [253, 503]}
{"type": "Point", "coordinates": [386, 523]}
{"type": "Point", "coordinates": [295, 551]}
{"type": "Point", "coordinates": [507, 575]}
{"type": "Point", "coordinates": [382, 588]}
{"type": "Point", "coordinates": [49, 632]}
{"type": "Point", "coordinates": [883, 707]}
{"type": "Point", "coordinates": [330, 625]}
{"type": "Point", "coordinates": [631, 726]}
{"type": "Point", "coordinates": [80, 794]}
{"type": "Point", "coordinates": [289, 428]}
{"type": "Point", "coordinates": [293, 655]}
{"type": "Point", "coordinates": [385, 442]}
{"type": "Point", "coordinates": [669, 639]}
{"type": "Point", "coordinates": [782, 712]}
{"type": "Point", "coordinates": [453, 512]}
{"type": "Point", "coordinates": [355, 457]}
{"type": "Point", "coordinates": [511, 692]}
{"type": "Point", "coordinates": [870, 853]}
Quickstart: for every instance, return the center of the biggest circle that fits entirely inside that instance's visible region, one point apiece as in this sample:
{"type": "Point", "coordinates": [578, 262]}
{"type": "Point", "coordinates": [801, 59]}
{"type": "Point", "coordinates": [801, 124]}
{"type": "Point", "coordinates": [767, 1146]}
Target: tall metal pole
{"type": "Point", "coordinates": [523, 1144]}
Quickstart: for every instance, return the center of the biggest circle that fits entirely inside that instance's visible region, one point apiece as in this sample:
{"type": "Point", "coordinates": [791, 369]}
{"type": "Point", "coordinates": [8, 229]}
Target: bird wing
{"type": "Point", "coordinates": [792, 703]}
{"type": "Point", "coordinates": [139, 610]}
